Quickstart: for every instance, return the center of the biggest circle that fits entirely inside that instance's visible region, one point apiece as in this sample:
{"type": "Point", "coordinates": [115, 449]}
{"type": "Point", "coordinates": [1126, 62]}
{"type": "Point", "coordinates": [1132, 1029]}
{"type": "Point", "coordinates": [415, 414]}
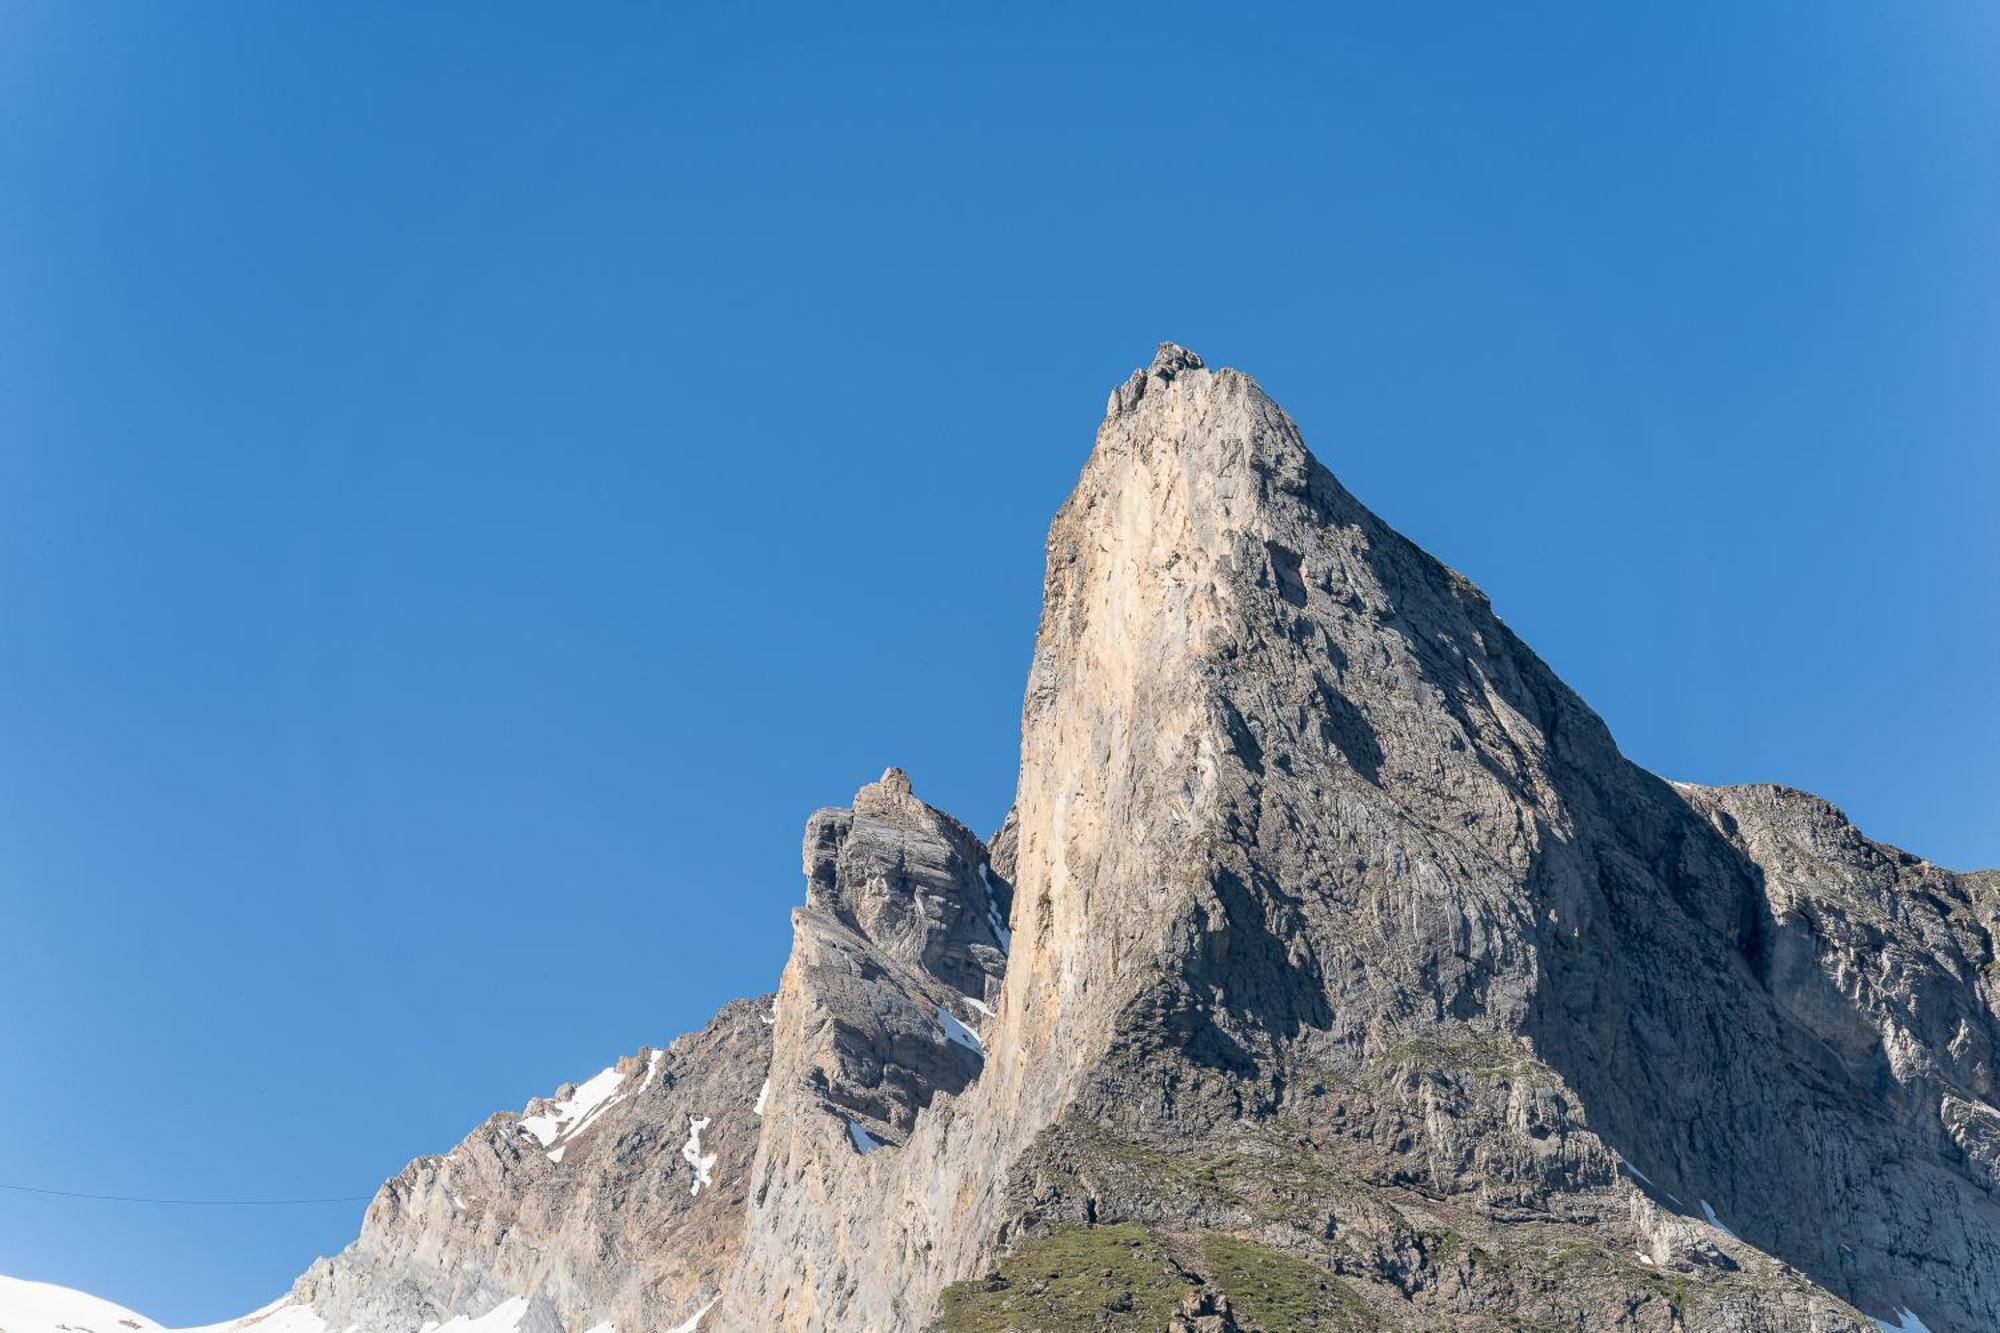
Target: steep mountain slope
{"type": "Point", "coordinates": [1332, 971]}
{"type": "Point", "coordinates": [42, 1307]}
{"type": "Point", "coordinates": [1342, 927]}
{"type": "Point", "coordinates": [619, 1203]}
{"type": "Point", "coordinates": [615, 1202]}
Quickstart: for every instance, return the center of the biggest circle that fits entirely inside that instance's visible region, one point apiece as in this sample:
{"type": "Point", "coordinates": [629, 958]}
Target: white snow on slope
{"type": "Point", "coordinates": [704, 1166]}
{"type": "Point", "coordinates": [1645, 1179]}
{"type": "Point", "coordinates": [1000, 931]}
{"type": "Point", "coordinates": [1715, 1221]}
{"type": "Point", "coordinates": [959, 1032]}
{"type": "Point", "coordinates": [566, 1118]}
{"type": "Point", "coordinates": [43, 1307]}
{"type": "Point", "coordinates": [763, 1096]}
{"type": "Point", "coordinates": [694, 1322]}
{"type": "Point", "coordinates": [863, 1141]}
{"type": "Point", "coordinates": [1907, 1322]}
{"type": "Point", "coordinates": [502, 1318]}
{"type": "Point", "coordinates": [283, 1315]}
{"type": "Point", "coordinates": [980, 1005]}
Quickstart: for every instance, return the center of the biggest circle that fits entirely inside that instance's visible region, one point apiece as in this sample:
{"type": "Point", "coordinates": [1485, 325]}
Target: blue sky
{"type": "Point", "coordinates": [472, 480]}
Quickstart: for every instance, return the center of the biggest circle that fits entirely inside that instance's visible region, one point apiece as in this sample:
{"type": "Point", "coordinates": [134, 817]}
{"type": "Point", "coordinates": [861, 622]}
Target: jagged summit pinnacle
{"type": "Point", "coordinates": [1170, 360]}
{"type": "Point", "coordinates": [1172, 357]}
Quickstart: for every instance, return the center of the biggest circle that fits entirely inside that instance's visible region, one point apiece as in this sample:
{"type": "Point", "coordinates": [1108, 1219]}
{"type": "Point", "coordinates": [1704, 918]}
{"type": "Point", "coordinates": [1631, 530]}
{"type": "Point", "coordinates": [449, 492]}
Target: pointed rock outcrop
{"type": "Point", "coordinates": [1333, 969]}
{"type": "Point", "coordinates": [894, 957]}
{"type": "Point", "coordinates": [879, 1024]}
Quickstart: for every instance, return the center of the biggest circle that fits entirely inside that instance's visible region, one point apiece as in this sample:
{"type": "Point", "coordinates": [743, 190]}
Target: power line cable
{"type": "Point", "coordinates": [190, 1203]}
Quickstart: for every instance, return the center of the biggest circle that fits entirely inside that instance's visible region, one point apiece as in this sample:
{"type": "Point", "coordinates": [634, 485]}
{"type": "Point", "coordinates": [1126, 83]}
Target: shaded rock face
{"type": "Point", "coordinates": [913, 881]}
{"type": "Point", "coordinates": [1332, 961]}
{"type": "Point", "coordinates": [881, 1026]}
{"type": "Point", "coordinates": [893, 957]}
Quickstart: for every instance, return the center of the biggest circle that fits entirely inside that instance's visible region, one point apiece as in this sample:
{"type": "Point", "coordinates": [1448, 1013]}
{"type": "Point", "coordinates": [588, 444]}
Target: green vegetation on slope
{"type": "Point", "coordinates": [1276, 1292]}
{"type": "Point", "coordinates": [1115, 1277]}
{"type": "Point", "coordinates": [1128, 1277]}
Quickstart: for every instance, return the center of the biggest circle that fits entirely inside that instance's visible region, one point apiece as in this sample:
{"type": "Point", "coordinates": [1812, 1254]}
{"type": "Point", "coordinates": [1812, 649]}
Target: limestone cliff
{"type": "Point", "coordinates": [1334, 970]}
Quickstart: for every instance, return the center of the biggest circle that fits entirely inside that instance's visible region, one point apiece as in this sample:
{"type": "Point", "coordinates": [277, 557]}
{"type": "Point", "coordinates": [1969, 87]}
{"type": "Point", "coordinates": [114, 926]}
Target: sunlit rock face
{"type": "Point", "coordinates": [615, 1201]}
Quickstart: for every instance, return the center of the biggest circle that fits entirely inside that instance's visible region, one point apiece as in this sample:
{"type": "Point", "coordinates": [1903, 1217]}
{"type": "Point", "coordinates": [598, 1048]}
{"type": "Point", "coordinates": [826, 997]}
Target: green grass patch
{"type": "Point", "coordinates": [1079, 1278]}
{"type": "Point", "coordinates": [1278, 1293]}
{"type": "Point", "coordinates": [1127, 1277]}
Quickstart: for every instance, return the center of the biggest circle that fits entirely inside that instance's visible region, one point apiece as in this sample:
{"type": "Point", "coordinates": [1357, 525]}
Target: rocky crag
{"type": "Point", "coordinates": [1334, 970]}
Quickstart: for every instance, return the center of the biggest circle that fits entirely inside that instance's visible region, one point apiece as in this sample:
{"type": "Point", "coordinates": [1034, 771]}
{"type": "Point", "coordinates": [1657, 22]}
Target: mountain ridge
{"type": "Point", "coordinates": [1332, 969]}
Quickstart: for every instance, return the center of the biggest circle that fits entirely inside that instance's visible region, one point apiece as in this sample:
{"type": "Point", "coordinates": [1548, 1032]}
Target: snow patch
{"type": "Point", "coordinates": [652, 1069]}
{"type": "Point", "coordinates": [1906, 1322]}
{"type": "Point", "coordinates": [1000, 931]}
{"type": "Point", "coordinates": [568, 1117]}
{"type": "Point", "coordinates": [863, 1141]}
{"type": "Point", "coordinates": [1715, 1221]}
{"type": "Point", "coordinates": [956, 1031]}
{"type": "Point", "coordinates": [694, 1320]}
{"type": "Point", "coordinates": [703, 1164]}
{"type": "Point", "coordinates": [43, 1307]}
{"type": "Point", "coordinates": [1647, 1181]}
{"type": "Point", "coordinates": [503, 1318]}
{"type": "Point", "coordinates": [763, 1096]}
{"type": "Point", "coordinates": [283, 1315]}
{"type": "Point", "coordinates": [980, 1005]}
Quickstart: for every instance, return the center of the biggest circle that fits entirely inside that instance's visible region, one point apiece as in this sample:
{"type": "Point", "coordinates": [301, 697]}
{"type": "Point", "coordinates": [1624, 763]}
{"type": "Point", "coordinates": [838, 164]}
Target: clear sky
{"type": "Point", "coordinates": [472, 481]}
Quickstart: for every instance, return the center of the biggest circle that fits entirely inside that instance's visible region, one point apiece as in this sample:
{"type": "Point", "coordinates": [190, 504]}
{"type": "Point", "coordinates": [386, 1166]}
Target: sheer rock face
{"type": "Point", "coordinates": [619, 1201]}
{"type": "Point", "coordinates": [1306, 841]}
{"type": "Point", "coordinates": [1883, 966]}
{"type": "Point", "coordinates": [1327, 922]}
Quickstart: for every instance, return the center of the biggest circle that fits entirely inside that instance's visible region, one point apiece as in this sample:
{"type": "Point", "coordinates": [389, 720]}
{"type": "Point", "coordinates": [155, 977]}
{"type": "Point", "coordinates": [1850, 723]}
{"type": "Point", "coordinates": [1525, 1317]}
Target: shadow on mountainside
{"type": "Point", "coordinates": [1704, 1036]}
{"type": "Point", "coordinates": [1729, 1068]}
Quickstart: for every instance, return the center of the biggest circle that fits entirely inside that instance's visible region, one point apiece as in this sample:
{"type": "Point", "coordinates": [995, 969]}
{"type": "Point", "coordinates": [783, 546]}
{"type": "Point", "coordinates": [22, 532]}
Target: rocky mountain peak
{"type": "Point", "coordinates": [1170, 362]}
{"type": "Point", "coordinates": [894, 781]}
{"type": "Point", "coordinates": [1171, 358]}
{"type": "Point", "coordinates": [911, 881]}
{"type": "Point", "coordinates": [892, 797]}
{"type": "Point", "coordinates": [1332, 969]}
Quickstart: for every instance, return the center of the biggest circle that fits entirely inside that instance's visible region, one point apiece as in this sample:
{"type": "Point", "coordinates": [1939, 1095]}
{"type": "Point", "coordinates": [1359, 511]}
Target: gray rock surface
{"type": "Point", "coordinates": [1332, 970]}
{"type": "Point", "coordinates": [607, 1221]}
